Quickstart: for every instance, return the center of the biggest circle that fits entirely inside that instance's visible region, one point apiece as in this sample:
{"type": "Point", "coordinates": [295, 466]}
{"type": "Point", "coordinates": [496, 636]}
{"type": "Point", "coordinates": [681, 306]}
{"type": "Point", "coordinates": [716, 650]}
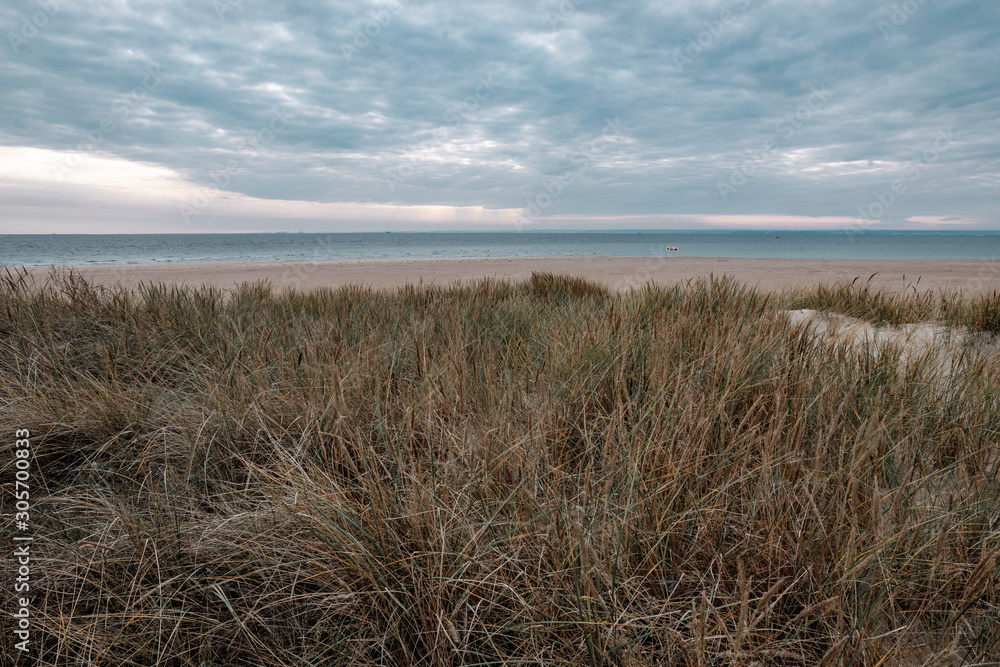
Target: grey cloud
{"type": "Point", "coordinates": [557, 76]}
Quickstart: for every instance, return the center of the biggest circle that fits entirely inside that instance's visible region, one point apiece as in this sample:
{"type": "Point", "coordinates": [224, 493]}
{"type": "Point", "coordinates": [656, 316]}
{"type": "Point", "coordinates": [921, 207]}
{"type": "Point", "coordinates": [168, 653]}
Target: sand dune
{"type": "Point", "coordinates": [941, 346]}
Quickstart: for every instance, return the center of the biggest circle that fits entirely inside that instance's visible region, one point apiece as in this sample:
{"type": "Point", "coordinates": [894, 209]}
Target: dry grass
{"type": "Point", "coordinates": [980, 313]}
{"type": "Point", "coordinates": [535, 473]}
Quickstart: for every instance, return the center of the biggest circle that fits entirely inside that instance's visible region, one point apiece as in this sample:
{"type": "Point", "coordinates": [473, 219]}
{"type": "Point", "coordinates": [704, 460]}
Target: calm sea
{"type": "Point", "coordinates": [44, 250]}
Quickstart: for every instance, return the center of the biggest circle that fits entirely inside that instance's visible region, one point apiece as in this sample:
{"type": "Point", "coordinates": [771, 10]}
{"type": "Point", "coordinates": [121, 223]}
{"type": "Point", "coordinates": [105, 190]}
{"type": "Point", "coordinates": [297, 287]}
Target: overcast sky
{"type": "Point", "coordinates": [184, 115]}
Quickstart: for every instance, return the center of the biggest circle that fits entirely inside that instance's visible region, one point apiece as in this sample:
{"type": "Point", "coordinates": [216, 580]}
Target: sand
{"type": "Point", "coordinates": [971, 276]}
{"type": "Point", "coordinates": [940, 347]}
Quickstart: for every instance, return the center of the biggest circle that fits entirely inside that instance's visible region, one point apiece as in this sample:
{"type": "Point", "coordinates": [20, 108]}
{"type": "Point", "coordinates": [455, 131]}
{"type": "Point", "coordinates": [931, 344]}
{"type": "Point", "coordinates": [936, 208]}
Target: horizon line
{"type": "Point", "coordinates": [714, 230]}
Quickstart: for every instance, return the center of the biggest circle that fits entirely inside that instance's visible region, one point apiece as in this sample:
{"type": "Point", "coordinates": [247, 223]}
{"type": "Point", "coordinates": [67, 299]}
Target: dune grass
{"type": "Point", "coordinates": [534, 473]}
{"type": "Point", "coordinates": [978, 313]}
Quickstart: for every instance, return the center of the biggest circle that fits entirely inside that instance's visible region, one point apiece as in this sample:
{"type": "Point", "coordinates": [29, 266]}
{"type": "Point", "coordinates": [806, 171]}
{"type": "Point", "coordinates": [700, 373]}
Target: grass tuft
{"type": "Point", "coordinates": [555, 287]}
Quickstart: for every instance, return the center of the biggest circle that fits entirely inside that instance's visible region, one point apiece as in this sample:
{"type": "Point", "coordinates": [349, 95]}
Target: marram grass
{"type": "Point", "coordinates": [978, 313]}
{"type": "Point", "coordinates": [537, 473]}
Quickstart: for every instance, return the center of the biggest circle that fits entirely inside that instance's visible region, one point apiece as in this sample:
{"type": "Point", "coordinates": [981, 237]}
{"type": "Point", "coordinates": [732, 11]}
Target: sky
{"type": "Point", "coordinates": [234, 115]}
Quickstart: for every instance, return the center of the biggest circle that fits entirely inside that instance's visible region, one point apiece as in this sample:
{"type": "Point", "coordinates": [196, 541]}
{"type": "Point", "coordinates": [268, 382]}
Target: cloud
{"type": "Point", "coordinates": [448, 108]}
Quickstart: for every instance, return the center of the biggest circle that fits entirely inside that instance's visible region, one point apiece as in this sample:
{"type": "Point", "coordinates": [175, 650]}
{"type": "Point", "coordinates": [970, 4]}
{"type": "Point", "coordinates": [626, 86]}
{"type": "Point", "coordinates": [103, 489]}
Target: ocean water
{"type": "Point", "coordinates": [87, 249]}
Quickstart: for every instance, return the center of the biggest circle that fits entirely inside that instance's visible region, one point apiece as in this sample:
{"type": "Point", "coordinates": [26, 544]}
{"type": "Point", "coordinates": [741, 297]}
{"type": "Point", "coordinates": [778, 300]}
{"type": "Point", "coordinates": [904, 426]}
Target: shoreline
{"type": "Point", "coordinates": [619, 273]}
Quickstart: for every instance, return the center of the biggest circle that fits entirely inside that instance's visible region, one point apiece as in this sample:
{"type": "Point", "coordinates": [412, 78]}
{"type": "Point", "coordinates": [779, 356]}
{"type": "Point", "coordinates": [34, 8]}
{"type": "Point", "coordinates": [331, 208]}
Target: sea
{"type": "Point", "coordinates": [90, 249]}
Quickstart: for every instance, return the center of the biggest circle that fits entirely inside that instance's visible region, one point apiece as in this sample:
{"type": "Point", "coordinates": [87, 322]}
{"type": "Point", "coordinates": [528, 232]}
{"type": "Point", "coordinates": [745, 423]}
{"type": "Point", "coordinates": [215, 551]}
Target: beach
{"type": "Point", "coordinates": [618, 273]}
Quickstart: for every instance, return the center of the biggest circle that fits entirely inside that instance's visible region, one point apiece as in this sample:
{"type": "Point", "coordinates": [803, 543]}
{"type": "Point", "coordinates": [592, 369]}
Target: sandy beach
{"type": "Point", "coordinates": [620, 273]}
